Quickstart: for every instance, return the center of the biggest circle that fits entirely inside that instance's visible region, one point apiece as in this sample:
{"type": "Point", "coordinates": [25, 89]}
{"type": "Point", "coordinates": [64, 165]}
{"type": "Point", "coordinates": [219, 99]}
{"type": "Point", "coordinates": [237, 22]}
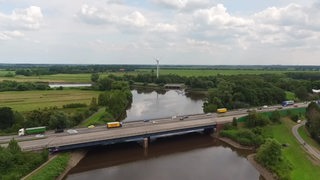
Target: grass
{"type": "Point", "coordinates": [79, 78]}
{"type": "Point", "coordinates": [53, 169]}
{"type": "Point", "coordinates": [31, 100]}
{"type": "Point", "coordinates": [4, 72]}
{"type": "Point", "coordinates": [303, 167]}
{"type": "Point", "coordinates": [86, 77]}
{"type": "Point", "coordinates": [290, 95]}
{"type": "Point", "coordinates": [99, 118]}
{"type": "Point", "coordinates": [306, 137]}
{"type": "Point", "coordinates": [214, 72]}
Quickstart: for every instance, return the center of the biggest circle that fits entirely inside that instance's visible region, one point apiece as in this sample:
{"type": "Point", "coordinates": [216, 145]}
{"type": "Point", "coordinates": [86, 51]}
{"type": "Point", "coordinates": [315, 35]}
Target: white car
{"type": "Point", "coordinates": [39, 136]}
{"type": "Point", "coordinates": [265, 106]}
{"type": "Point", "coordinates": [72, 131]}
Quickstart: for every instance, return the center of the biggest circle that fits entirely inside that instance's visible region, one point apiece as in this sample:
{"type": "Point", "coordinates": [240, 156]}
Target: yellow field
{"type": "Point", "coordinates": [30, 100]}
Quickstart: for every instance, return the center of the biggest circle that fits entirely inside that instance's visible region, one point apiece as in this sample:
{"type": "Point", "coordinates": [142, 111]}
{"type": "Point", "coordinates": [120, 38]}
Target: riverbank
{"type": "Point", "coordinates": [75, 158]}
{"type": "Point", "coordinates": [235, 144]}
{"type": "Point", "coordinates": [267, 175]}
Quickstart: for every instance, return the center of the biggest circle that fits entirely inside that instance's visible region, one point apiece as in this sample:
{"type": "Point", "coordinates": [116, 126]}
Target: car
{"type": "Point", "coordinates": [183, 117]}
{"type": "Point", "coordinates": [146, 120]}
{"type": "Point", "coordinates": [72, 131]}
{"type": "Point", "coordinates": [265, 106]}
{"type": "Point", "coordinates": [39, 136]}
{"type": "Point", "coordinates": [209, 114]}
{"type": "Point", "coordinates": [59, 130]}
{"type": "Point", "coordinates": [91, 126]}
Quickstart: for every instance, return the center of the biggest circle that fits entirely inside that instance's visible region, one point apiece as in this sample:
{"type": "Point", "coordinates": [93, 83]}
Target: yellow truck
{"type": "Point", "coordinates": [113, 124]}
{"type": "Point", "coordinates": [222, 110]}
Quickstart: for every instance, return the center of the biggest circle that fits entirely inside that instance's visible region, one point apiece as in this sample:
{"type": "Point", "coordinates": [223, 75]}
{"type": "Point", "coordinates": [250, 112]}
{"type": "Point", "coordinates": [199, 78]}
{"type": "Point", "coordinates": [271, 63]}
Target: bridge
{"type": "Point", "coordinates": [130, 131]}
{"type": "Point", "coordinates": [137, 131]}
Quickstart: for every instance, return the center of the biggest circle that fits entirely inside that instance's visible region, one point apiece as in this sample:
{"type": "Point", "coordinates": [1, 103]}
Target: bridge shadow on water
{"type": "Point", "coordinates": [122, 153]}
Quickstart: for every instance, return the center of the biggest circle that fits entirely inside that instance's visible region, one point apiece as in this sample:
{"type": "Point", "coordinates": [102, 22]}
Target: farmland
{"type": "Point", "coordinates": [85, 77]}
{"type": "Point", "coordinates": [30, 100]}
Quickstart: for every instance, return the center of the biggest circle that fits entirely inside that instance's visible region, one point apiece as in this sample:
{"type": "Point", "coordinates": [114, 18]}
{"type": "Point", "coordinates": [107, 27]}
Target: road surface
{"type": "Point", "coordinates": [311, 150]}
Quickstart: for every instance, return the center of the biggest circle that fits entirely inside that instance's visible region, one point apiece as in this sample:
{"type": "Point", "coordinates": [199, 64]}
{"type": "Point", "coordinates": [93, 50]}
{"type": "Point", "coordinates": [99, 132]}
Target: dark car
{"type": "Point", "coordinates": [59, 130]}
{"type": "Point", "coordinates": [183, 117]}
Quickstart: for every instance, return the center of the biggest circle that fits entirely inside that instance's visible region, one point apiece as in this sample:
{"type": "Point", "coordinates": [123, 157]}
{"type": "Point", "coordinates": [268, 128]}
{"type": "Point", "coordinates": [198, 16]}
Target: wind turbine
{"type": "Point", "coordinates": [157, 60]}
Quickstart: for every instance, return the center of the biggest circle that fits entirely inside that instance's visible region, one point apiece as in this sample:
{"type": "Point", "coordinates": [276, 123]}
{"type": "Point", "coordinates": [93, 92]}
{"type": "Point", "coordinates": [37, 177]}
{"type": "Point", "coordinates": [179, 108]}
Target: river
{"type": "Point", "coordinates": [189, 157]}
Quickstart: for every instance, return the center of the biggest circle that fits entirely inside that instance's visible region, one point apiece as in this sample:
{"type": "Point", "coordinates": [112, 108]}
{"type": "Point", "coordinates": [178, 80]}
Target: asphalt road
{"type": "Point", "coordinates": [50, 136]}
{"type": "Point", "coordinates": [311, 150]}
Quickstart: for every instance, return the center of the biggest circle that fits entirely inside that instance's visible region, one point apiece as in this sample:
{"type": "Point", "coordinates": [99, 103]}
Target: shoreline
{"type": "Point", "coordinates": [267, 175]}
{"type": "Point", "coordinates": [76, 157]}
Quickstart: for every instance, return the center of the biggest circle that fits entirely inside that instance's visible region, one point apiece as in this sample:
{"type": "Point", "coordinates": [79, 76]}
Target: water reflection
{"type": "Point", "coordinates": [193, 156]}
{"type": "Point", "coordinates": [150, 104]}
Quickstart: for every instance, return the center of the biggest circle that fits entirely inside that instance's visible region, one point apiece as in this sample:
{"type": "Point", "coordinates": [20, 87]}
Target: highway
{"type": "Point", "coordinates": [129, 129]}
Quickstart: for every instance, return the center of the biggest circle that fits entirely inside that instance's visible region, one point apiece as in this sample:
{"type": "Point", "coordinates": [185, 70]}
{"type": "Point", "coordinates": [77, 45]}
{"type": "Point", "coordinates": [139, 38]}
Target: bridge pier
{"type": "Point", "coordinates": [209, 130]}
{"type": "Point", "coordinates": [145, 142]}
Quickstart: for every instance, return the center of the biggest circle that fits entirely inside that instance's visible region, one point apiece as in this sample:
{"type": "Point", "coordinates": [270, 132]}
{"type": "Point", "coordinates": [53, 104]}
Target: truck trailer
{"type": "Point", "coordinates": [33, 130]}
{"type": "Point", "coordinates": [114, 124]}
{"type": "Point", "coordinates": [222, 110]}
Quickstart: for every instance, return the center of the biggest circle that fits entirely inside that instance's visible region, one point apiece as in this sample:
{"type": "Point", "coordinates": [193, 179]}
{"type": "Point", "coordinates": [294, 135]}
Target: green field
{"type": "Point", "coordinates": [214, 72]}
{"type": "Point", "coordinates": [30, 100]}
{"type": "Point", "coordinates": [4, 72]}
{"type": "Point", "coordinates": [82, 78]}
{"type": "Point", "coordinates": [303, 167]}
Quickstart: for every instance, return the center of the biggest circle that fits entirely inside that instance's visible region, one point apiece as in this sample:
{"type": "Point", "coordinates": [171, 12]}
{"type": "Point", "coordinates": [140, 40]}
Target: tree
{"type": "Point", "coordinates": [6, 117]}
{"type": "Point", "coordinates": [95, 77]}
{"type": "Point", "coordinates": [93, 105]}
{"type": "Point", "coordinates": [234, 122]}
{"type": "Point", "coordinates": [275, 116]}
{"type": "Point", "coordinates": [301, 92]}
{"type": "Point", "coordinates": [105, 84]}
{"type": "Point", "coordinates": [58, 120]}
{"type": "Point", "coordinates": [269, 154]}
{"type": "Point", "coordinates": [313, 120]}
{"type": "Point", "coordinates": [14, 147]}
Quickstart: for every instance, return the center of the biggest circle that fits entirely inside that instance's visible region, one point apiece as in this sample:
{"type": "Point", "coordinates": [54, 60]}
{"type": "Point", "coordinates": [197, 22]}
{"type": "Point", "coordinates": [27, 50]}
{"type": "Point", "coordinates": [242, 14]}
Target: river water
{"type": "Point", "coordinates": [193, 156]}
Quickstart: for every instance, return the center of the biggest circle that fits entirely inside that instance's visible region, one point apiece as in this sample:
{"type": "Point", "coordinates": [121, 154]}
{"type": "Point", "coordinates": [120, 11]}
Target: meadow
{"type": "Point", "coordinates": [86, 77]}
{"type": "Point", "coordinates": [303, 167]}
{"type": "Point", "coordinates": [29, 100]}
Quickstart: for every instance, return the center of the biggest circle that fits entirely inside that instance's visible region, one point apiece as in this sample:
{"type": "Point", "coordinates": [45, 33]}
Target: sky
{"type": "Point", "coordinates": [179, 32]}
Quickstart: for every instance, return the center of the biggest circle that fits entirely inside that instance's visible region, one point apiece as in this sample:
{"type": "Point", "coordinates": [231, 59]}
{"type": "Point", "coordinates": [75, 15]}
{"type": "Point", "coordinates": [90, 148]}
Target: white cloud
{"type": "Point", "coordinates": [183, 4]}
{"type": "Point", "coordinates": [193, 28]}
{"type": "Point", "coordinates": [164, 27]}
{"type": "Point", "coordinates": [219, 17]}
{"type": "Point", "coordinates": [136, 19]}
{"type": "Point", "coordinates": [26, 19]}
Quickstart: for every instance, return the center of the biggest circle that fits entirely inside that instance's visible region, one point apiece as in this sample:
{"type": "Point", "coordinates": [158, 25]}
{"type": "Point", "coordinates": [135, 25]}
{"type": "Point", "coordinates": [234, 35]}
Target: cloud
{"type": "Point", "coordinates": [14, 25]}
{"type": "Point", "coordinates": [22, 19]}
{"type": "Point", "coordinates": [6, 35]}
{"type": "Point", "coordinates": [219, 17]}
{"type": "Point", "coordinates": [115, 14]}
{"type": "Point", "coordinates": [186, 5]}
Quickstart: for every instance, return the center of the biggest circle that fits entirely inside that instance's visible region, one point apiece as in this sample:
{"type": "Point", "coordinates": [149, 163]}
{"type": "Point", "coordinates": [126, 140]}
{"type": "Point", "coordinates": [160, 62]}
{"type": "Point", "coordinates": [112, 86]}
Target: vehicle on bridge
{"type": "Point", "coordinates": [114, 124]}
{"type": "Point", "coordinates": [222, 110]}
{"type": "Point", "coordinates": [33, 130]}
{"type": "Point", "coordinates": [287, 103]}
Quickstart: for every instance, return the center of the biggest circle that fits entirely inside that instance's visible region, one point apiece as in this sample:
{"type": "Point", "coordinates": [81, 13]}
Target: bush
{"type": "Point", "coordinates": [74, 105]}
